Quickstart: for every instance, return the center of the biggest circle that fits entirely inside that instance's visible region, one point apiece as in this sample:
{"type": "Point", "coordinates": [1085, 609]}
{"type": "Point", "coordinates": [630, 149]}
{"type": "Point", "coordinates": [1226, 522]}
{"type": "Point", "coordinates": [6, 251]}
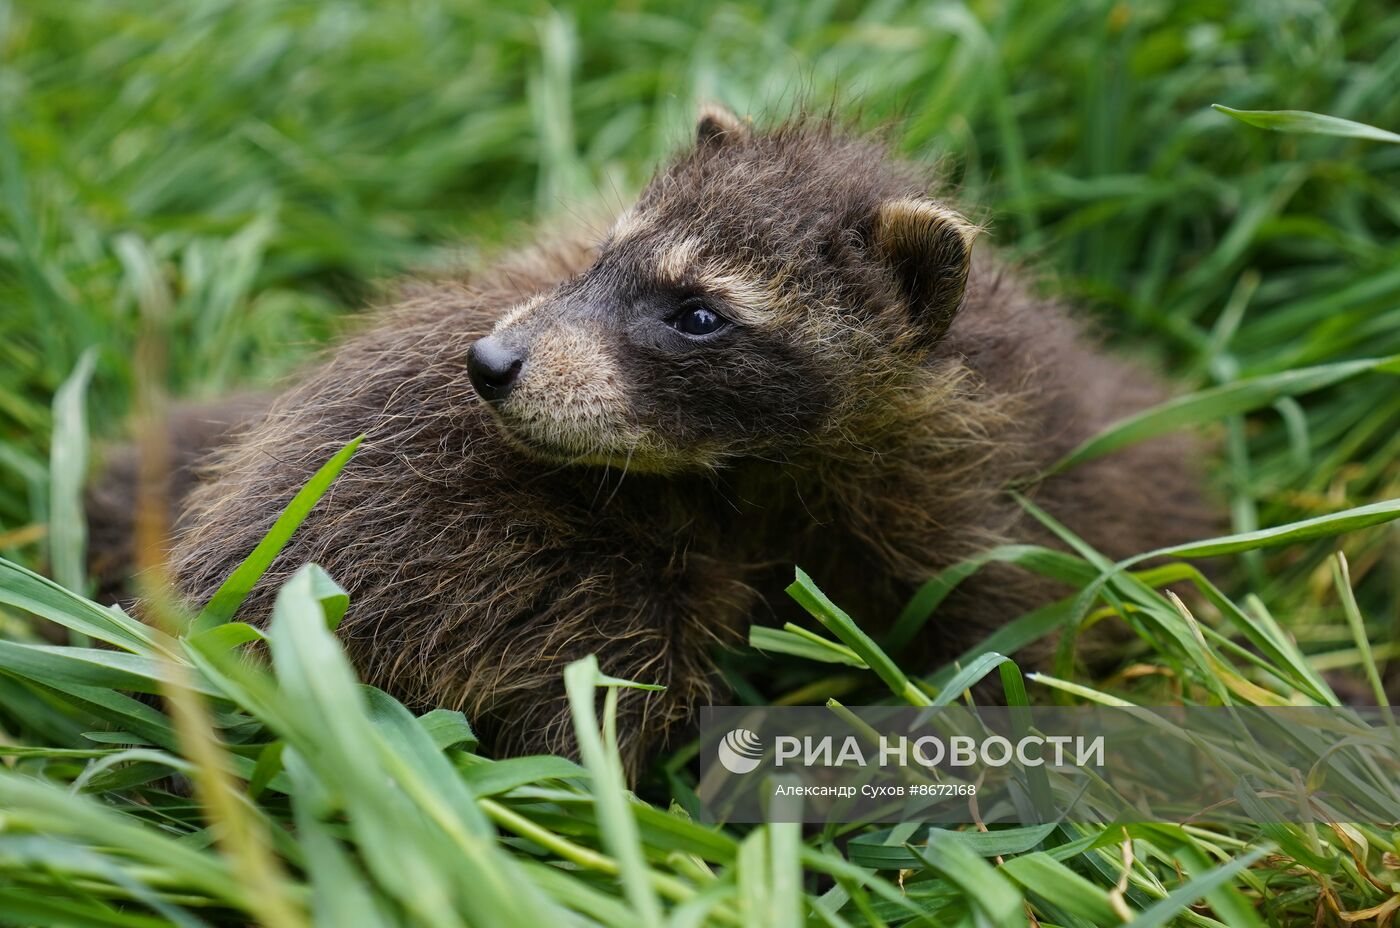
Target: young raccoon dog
{"type": "Point", "coordinates": [782, 354]}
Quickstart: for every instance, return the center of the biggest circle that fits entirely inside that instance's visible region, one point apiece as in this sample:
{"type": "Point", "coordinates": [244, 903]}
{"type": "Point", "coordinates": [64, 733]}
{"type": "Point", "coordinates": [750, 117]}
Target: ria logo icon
{"type": "Point", "coordinates": [740, 751]}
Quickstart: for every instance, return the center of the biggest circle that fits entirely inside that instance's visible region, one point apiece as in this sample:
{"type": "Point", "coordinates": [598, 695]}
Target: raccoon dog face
{"type": "Point", "coordinates": [762, 287]}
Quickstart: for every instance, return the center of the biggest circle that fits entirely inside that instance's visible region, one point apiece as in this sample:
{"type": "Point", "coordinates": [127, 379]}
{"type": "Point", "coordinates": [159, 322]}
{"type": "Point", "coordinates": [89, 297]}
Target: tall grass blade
{"type": "Point", "coordinates": [1310, 123]}
{"type": "Point", "coordinates": [67, 475]}
{"type": "Point", "coordinates": [223, 605]}
{"type": "Point", "coordinates": [1215, 403]}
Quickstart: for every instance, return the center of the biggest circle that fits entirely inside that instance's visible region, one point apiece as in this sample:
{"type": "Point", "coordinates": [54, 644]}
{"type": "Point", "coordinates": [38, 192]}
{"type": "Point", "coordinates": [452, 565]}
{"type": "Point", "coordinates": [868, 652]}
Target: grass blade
{"type": "Point", "coordinates": [582, 679]}
{"type": "Point", "coordinates": [1229, 399]}
{"type": "Point", "coordinates": [988, 890]}
{"type": "Point", "coordinates": [1337, 523]}
{"type": "Point", "coordinates": [225, 602]}
{"type": "Point", "coordinates": [825, 611]}
{"type": "Point", "coordinates": [67, 474]}
{"type": "Point", "coordinates": [1177, 901]}
{"type": "Point", "coordinates": [1310, 123]}
{"type": "Point", "coordinates": [26, 590]}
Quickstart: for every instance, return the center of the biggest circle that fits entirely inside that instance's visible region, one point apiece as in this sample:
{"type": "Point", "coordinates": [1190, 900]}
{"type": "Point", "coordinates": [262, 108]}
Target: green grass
{"type": "Point", "coordinates": [238, 177]}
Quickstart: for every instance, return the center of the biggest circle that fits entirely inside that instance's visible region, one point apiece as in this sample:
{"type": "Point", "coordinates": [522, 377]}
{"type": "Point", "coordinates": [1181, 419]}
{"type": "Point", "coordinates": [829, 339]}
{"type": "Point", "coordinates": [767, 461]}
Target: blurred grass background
{"type": "Point", "coordinates": [249, 174]}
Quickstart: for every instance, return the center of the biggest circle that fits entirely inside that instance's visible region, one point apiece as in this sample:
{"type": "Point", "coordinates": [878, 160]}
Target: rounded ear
{"type": "Point", "coordinates": [930, 249]}
{"type": "Point", "coordinates": [717, 123]}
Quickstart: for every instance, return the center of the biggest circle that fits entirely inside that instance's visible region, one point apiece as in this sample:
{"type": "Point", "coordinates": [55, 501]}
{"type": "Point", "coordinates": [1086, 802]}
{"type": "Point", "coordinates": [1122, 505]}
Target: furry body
{"type": "Point", "coordinates": [643, 496]}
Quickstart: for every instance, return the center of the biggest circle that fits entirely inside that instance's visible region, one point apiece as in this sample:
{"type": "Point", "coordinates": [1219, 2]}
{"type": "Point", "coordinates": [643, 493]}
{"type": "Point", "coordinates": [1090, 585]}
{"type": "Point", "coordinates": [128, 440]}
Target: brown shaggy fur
{"type": "Point", "coordinates": [642, 494]}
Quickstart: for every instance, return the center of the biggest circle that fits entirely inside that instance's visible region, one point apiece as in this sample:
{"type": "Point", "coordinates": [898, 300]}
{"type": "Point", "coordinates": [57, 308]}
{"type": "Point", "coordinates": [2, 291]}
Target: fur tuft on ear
{"type": "Point", "coordinates": [930, 249]}
{"type": "Point", "coordinates": [716, 123]}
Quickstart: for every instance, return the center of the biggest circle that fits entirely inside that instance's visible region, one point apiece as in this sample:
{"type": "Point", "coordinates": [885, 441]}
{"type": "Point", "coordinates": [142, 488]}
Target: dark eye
{"type": "Point", "coordinates": [694, 319]}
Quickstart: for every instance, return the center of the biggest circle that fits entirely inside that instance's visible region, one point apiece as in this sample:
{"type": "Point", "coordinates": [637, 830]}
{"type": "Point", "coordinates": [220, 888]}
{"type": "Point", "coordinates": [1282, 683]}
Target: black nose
{"type": "Point", "coordinates": [493, 367]}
